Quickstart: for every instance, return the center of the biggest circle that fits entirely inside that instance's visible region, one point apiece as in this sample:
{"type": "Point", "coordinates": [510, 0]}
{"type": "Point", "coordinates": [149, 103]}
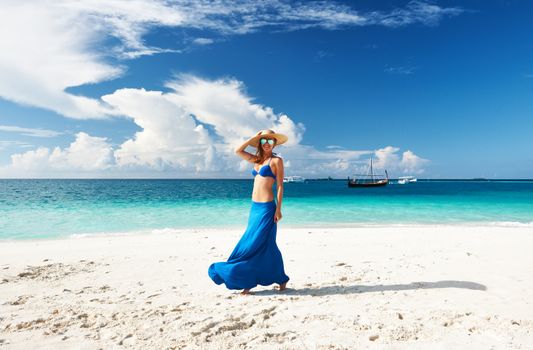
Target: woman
{"type": "Point", "coordinates": [256, 259]}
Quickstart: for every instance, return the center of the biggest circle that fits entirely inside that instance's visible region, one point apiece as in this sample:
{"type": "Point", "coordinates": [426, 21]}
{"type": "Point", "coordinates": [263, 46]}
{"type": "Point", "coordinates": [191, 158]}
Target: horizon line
{"type": "Point", "coordinates": [480, 179]}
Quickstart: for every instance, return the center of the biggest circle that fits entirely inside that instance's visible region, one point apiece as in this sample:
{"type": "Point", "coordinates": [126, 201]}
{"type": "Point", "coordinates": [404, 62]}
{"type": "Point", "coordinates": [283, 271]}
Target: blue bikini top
{"type": "Point", "coordinates": [264, 170]}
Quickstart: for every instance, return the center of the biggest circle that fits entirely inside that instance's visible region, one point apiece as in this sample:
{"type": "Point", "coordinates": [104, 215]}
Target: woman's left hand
{"type": "Point", "coordinates": [277, 216]}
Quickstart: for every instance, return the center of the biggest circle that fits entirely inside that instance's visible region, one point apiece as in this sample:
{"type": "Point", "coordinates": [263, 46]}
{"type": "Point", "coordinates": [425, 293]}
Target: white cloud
{"type": "Point", "coordinates": [31, 160]}
{"type": "Point", "coordinates": [86, 155]}
{"type": "Point", "coordinates": [6, 144]}
{"type": "Point", "coordinates": [411, 163]}
{"type": "Point", "coordinates": [224, 105]}
{"type": "Point", "coordinates": [203, 41]}
{"type": "Point", "coordinates": [46, 49]}
{"type": "Point", "coordinates": [50, 45]}
{"type": "Point", "coordinates": [192, 131]}
{"type": "Point", "coordinates": [388, 158]}
{"type": "Point", "coordinates": [247, 16]}
{"type": "Point", "coordinates": [170, 138]}
{"type": "Point", "coordinates": [30, 131]}
{"type": "Point", "coordinates": [415, 12]}
{"type": "Point", "coordinates": [308, 160]}
{"type": "Point", "coordinates": [176, 125]}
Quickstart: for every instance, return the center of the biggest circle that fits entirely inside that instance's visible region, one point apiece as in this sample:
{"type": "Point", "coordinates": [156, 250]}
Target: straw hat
{"type": "Point", "coordinates": [268, 134]}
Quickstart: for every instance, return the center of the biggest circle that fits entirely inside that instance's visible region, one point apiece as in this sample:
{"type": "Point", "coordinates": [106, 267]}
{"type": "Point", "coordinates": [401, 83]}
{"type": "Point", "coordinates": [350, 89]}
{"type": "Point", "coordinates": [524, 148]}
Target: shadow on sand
{"type": "Point", "coordinates": [354, 289]}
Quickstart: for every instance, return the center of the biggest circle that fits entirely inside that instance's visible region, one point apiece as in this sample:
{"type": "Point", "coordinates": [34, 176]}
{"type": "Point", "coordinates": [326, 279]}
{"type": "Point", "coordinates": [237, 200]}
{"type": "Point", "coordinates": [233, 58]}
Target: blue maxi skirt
{"type": "Point", "coordinates": [256, 259]}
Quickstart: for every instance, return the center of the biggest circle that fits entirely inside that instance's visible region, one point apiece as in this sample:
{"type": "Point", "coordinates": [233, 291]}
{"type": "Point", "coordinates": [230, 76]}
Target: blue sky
{"type": "Point", "coordinates": [448, 82]}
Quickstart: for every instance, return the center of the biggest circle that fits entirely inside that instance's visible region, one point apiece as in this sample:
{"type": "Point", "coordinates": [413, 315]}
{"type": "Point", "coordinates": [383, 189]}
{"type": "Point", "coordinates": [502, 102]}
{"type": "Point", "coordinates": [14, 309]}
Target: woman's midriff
{"type": "Point", "coordinates": [262, 191]}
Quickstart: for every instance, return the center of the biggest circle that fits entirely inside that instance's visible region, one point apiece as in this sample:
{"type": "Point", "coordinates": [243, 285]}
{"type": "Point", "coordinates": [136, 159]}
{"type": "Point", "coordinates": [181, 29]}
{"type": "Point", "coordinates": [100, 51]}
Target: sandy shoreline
{"type": "Point", "coordinates": [368, 287]}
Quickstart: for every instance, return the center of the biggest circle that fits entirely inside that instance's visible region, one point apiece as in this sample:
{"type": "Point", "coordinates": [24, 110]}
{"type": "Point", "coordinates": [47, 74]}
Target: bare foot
{"type": "Point", "coordinates": [282, 286]}
{"type": "Point", "coordinates": [246, 292]}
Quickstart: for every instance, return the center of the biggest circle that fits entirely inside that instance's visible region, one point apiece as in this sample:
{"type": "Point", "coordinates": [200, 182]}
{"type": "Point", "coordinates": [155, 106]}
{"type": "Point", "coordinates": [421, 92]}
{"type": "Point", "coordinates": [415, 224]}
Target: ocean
{"type": "Point", "coordinates": [36, 209]}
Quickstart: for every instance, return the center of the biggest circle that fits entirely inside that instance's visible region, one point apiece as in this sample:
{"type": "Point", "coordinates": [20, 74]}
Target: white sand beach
{"type": "Point", "coordinates": [419, 287]}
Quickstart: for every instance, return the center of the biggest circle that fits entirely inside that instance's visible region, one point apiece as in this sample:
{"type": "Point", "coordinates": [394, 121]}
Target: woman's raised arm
{"type": "Point", "coordinates": [240, 151]}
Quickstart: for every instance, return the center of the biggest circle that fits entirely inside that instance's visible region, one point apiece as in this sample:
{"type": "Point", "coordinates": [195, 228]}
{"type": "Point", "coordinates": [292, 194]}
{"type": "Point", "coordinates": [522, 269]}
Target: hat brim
{"type": "Point", "coordinates": [280, 139]}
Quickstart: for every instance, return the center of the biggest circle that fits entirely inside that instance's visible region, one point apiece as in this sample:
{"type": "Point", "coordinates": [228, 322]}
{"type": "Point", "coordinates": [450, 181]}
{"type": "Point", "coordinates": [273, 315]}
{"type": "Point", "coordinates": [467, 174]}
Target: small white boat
{"type": "Point", "coordinates": [402, 180]}
{"type": "Point", "coordinates": [293, 179]}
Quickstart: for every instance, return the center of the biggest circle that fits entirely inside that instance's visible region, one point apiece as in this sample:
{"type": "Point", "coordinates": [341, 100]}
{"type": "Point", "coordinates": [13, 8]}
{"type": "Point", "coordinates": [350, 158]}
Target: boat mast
{"type": "Point", "coordinates": [371, 170]}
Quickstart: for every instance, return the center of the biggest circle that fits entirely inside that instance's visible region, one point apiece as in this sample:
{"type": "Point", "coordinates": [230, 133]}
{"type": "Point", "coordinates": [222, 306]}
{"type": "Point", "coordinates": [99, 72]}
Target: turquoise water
{"type": "Point", "coordinates": [57, 208]}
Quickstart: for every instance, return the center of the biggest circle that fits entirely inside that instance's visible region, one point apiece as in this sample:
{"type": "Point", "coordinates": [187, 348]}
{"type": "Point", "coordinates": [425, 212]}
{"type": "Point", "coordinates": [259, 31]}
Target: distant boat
{"type": "Point", "coordinates": [369, 180]}
{"type": "Point", "coordinates": [402, 180]}
{"type": "Point", "coordinates": [293, 179]}
{"type": "Point", "coordinates": [479, 179]}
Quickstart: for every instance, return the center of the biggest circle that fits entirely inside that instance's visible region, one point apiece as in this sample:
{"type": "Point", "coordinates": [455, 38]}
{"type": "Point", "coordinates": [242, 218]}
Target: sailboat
{"type": "Point", "coordinates": [370, 179]}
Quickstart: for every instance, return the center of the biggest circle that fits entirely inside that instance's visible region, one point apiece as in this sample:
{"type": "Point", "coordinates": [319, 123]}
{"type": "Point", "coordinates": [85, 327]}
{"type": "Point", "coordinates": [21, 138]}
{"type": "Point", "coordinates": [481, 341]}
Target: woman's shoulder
{"type": "Point", "coordinates": [276, 158]}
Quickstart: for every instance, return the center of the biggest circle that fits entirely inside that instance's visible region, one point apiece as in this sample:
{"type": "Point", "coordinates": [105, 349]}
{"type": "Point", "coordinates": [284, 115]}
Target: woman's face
{"type": "Point", "coordinates": [267, 143]}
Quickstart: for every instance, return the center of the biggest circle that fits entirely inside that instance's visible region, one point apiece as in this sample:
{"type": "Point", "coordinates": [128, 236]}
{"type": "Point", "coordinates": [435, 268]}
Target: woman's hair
{"type": "Point", "coordinates": [260, 154]}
